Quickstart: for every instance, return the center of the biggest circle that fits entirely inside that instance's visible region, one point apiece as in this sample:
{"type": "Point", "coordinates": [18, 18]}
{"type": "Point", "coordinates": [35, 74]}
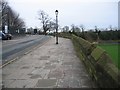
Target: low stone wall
{"type": "Point", "coordinates": [98, 63]}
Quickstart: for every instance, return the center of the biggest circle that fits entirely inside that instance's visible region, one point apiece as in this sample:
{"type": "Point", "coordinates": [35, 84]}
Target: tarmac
{"type": "Point", "coordinates": [48, 66]}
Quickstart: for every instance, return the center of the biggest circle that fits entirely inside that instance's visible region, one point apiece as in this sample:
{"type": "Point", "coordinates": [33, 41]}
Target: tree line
{"type": "Point", "coordinates": [93, 34]}
{"type": "Point", "coordinates": [10, 18]}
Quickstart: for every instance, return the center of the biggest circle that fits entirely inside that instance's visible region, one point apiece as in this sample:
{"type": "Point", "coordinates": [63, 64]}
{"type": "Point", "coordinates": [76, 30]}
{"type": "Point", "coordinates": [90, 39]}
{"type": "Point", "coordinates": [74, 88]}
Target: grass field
{"type": "Point", "coordinates": [112, 50]}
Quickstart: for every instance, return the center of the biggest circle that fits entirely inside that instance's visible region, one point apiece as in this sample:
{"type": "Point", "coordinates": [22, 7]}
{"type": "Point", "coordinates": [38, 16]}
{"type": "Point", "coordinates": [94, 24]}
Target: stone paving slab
{"type": "Point", "coordinates": [49, 66]}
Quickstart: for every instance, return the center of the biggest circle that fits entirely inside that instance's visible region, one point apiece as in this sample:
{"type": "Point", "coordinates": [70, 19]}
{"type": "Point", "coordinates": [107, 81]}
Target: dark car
{"type": "Point", "coordinates": [4, 36]}
{"type": "Point", "coordinates": [9, 36]}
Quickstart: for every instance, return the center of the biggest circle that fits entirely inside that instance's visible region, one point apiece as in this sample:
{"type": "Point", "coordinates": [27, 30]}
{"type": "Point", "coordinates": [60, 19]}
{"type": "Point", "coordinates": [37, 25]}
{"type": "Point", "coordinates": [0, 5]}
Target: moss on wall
{"type": "Point", "coordinates": [97, 62]}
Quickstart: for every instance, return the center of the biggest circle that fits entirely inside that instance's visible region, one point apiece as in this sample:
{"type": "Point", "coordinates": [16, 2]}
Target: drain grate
{"type": "Point", "coordinates": [35, 76]}
{"type": "Point", "coordinates": [25, 67]}
{"type": "Point", "coordinates": [46, 82]}
{"type": "Point", "coordinates": [44, 57]}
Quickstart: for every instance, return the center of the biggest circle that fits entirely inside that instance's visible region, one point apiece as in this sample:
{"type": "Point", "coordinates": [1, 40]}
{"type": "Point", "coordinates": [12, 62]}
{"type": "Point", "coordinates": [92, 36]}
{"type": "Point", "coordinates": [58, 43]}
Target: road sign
{"type": "Point", "coordinates": [6, 29]}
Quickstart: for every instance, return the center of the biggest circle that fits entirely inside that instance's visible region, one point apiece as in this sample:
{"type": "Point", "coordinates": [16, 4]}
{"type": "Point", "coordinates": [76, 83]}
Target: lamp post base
{"type": "Point", "coordinates": [56, 42]}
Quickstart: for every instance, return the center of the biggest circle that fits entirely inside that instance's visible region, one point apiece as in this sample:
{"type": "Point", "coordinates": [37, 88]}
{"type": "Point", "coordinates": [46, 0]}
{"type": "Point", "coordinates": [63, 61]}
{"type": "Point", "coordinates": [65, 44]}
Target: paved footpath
{"type": "Point", "coordinates": [48, 66]}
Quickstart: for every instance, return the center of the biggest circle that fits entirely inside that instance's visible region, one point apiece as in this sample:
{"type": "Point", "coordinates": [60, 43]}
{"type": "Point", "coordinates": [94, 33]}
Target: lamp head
{"type": "Point", "coordinates": [56, 12]}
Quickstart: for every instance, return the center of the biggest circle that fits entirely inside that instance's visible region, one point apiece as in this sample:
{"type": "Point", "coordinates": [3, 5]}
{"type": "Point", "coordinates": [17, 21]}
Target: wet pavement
{"type": "Point", "coordinates": [48, 66]}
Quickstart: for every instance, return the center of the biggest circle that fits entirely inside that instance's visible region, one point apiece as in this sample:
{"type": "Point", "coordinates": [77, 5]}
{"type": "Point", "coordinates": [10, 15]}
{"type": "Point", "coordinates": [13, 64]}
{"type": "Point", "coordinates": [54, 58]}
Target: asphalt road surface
{"type": "Point", "coordinates": [18, 47]}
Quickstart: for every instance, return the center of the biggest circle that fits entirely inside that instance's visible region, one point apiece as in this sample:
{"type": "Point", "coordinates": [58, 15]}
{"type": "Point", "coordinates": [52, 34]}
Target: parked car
{"type": "Point", "coordinates": [4, 36]}
{"type": "Point", "coordinates": [9, 36]}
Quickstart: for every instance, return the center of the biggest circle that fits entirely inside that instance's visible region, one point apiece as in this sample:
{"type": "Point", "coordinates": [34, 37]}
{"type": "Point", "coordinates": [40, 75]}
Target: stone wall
{"type": "Point", "coordinates": [98, 63]}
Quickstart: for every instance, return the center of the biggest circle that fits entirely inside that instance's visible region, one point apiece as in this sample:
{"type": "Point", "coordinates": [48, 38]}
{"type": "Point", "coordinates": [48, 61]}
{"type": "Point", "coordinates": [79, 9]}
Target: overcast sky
{"type": "Point", "coordinates": [90, 13]}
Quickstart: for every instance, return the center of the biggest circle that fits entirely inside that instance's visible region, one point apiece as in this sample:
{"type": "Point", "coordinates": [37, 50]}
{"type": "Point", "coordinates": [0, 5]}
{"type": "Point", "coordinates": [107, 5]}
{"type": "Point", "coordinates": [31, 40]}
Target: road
{"type": "Point", "coordinates": [18, 47]}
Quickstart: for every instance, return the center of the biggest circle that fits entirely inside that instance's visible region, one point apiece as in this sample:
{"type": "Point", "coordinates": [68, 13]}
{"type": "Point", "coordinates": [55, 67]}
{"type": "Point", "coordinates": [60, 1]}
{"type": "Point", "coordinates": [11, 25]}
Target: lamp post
{"type": "Point", "coordinates": [56, 13]}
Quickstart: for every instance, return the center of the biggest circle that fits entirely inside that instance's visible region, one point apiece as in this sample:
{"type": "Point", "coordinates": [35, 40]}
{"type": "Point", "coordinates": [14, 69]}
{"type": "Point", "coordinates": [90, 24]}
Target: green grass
{"type": "Point", "coordinates": [112, 50]}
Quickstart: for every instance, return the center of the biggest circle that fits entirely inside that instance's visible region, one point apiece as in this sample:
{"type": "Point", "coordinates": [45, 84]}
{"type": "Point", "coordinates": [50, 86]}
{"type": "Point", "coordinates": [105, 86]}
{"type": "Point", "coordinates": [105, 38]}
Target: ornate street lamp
{"type": "Point", "coordinates": [56, 13]}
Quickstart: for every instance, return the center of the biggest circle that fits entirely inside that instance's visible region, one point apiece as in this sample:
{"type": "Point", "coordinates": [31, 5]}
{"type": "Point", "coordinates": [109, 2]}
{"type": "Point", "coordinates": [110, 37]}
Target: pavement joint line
{"type": "Point", "coordinates": [24, 54]}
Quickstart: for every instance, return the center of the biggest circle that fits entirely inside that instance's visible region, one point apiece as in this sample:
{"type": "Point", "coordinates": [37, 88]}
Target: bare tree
{"type": "Point", "coordinates": [3, 4]}
{"type": "Point", "coordinates": [0, 5]}
{"type": "Point", "coordinates": [19, 23]}
{"type": "Point", "coordinates": [45, 20]}
{"type": "Point", "coordinates": [110, 27]}
{"type": "Point", "coordinates": [82, 28]}
{"type": "Point", "coordinates": [0, 14]}
{"type": "Point", "coordinates": [65, 28]}
{"type": "Point", "coordinates": [73, 28]}
{"type": "Point", "coordinates": [10, 18]}
{"type": "Point", "coordinates": [97, 31]}
{"type": "Point", "coordinates": [52, 25]}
